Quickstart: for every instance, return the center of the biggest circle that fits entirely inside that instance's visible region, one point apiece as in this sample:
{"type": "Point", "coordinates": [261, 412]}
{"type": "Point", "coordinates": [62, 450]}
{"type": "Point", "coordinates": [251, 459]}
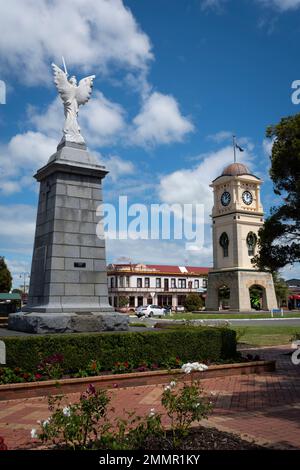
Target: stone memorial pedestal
{"type": "Point", "coordinates": [68, 283]}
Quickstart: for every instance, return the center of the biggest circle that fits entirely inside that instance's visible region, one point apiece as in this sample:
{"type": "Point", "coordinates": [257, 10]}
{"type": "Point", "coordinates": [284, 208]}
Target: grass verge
{"type": "Point", "coordinates": [265, 335]}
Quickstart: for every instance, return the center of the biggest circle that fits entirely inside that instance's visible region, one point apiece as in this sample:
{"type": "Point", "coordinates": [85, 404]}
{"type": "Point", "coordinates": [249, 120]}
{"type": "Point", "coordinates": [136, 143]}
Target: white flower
{"type": "Point", "coordinates": [173, 384]}
{"type": "Point", "coordinates": [66, 411]}
{"type": "Point", "coordinates": [33, 434]}
{"type": "Point", "coordinates": [46, 422]}
{"type": "Point", "coordinates": [193, 367]}
{"type": "Point", "coordinates": [152, 413]}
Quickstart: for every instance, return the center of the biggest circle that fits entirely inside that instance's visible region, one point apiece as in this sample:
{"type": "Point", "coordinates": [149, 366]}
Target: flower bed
{"type": "Point", "coordinates": [131, 379]}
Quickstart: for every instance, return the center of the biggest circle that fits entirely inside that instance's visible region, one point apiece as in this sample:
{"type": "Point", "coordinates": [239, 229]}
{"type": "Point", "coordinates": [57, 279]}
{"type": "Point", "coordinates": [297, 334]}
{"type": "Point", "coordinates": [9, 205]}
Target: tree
{"type": "Point", "coordinates": [281, 289]}
{"type": "Point", "coordinates": [279, 238]}
{"type": "Point", "coordinates": [193, 301]}
{"type": "Point", "coordinates": [123, 301]}
{"type": "Point", "coordinates": [17, 291]}
{"type": "Point", "coordinates": [5, 277]}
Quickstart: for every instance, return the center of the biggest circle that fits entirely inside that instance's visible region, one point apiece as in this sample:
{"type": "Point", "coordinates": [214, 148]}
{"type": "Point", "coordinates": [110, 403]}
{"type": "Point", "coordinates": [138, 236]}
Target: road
{"type": "Point", "coordinates": [233, 322]}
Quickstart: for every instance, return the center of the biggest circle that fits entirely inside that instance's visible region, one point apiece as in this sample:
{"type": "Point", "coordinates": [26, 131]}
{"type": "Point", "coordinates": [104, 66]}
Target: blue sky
{"type": "Point", "coordinates": [174, 80]}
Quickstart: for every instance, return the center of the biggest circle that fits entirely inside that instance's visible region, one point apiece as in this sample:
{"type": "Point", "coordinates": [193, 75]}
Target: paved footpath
{"type": "Point", "coordinates": [264, 408]}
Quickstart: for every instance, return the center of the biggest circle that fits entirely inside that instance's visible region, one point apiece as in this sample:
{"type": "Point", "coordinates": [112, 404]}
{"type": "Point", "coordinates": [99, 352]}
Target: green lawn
{"type": "Point", "coordinates": [265, 335]}
{"type": "Point", "coordinates": [228, 316]}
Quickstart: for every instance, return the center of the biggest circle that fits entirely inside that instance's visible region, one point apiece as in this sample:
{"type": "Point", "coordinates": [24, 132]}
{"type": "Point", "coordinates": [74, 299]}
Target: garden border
{"type": "Point", "coordinates": [133, 379]}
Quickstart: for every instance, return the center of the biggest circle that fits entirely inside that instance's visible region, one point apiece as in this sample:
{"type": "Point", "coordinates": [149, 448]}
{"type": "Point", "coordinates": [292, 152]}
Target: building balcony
{"type": "Point", "coordinates": [157, 290]}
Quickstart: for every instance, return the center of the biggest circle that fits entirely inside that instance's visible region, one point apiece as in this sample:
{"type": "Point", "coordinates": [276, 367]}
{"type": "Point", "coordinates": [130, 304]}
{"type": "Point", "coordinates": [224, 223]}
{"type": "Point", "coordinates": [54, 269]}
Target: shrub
{"type": "Point", "coordinates": [193, 301]}
{"type": "Point", "coordinates": [123, 301]}
{"type": "Point", "coordinates": [85, 425]}
{"type": "Point", "coordinates": [78, 350]}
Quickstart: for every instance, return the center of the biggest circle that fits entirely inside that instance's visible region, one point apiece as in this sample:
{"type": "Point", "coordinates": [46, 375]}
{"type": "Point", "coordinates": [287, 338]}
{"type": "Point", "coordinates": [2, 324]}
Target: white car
{"type": "Point", "coordinates": [150, 311]}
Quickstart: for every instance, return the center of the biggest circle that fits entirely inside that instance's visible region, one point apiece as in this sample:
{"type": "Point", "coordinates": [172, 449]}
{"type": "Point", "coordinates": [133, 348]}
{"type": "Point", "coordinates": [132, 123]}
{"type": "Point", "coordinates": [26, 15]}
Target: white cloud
{"type": "Point", "coordinates": [118, 167]}
{"type": "Point", "coordinates": [91, 35]}
{"type": "Point", "coordinates": [211, 4]}
{"type": "Point", "coordinates": [282, 5]}
{"type": "Point", "coordinates": [267, 147]}
{"type": "Point", "coordinates": [103, 120]}
{"type": "Point", "coordinates": [192, 185]}
{"type": "Point", "coordinates": [18, 229]}
{"type": "Point", "coordinates": [291, 271]}
{"type": "Point", "coordinates": [21, 157]}
{"type": "Point", "coordinates": [219, 137]}
{"type": "Point", "coordinates": [160, 122]}
{"type": "Point", "coordinates": [157, 251]}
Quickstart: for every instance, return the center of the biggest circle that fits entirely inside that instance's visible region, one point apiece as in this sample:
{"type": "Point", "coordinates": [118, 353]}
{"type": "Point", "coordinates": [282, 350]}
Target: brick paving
{"type": "Point", "coordinates": [264, 408]}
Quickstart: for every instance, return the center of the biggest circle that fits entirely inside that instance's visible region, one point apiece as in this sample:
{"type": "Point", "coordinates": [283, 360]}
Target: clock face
{"type": "Point", "coordinates": [247, 197]}
{"type": "Point", "coordinates": [225, 198]}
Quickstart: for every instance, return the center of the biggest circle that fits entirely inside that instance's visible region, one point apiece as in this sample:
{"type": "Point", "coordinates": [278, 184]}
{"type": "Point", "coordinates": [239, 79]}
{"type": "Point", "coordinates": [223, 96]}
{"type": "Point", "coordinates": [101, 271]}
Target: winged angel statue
{"type": "Point", "coordinates": [72, 97]}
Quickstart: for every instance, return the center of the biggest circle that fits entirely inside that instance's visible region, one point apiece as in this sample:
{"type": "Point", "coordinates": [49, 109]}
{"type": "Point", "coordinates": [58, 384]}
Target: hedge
{"type": "Point", "coordinates": [156, 346]}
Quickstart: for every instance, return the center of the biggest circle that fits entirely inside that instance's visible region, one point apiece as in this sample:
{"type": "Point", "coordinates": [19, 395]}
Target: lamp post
{"type": "Point", "coordinates": [24, 275]}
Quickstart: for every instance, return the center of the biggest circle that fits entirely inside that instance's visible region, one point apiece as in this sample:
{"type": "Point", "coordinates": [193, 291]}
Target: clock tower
{"type": "Point", "coordinates": [237, 216]}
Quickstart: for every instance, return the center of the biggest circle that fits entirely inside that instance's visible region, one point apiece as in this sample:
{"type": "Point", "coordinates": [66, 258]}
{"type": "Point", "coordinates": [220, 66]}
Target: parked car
{"type": "Point", "coordinates": [150, 311]}
{"type": "Point", "coordinates": [180, 308]}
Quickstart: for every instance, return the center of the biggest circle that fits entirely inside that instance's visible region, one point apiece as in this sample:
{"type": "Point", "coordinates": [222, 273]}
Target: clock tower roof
{"type": "Point", "coordinates": [235, 169]}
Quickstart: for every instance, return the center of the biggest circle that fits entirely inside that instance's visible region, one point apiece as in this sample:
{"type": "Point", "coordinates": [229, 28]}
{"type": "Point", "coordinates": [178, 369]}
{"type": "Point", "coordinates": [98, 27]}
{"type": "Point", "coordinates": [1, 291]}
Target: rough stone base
{"type": "Point", "coordinates": [45, 323]}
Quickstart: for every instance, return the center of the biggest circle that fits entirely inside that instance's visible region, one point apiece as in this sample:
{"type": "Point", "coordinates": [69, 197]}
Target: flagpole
{"type": "Point", "coordinates": [234, 148]}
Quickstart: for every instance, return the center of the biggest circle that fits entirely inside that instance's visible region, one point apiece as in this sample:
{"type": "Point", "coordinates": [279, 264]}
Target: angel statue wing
{"type": "Point", "coordinates": [65, 89]}
{"type": "Point", "coordinates": [84, 90]}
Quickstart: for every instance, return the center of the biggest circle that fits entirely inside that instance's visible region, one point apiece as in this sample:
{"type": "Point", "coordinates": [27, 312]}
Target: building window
{"type": "Point", "coordinates": [131, 301]}
{"type": "Point", "coordinates": [182, 283]}
{"type": "Point", "coordinates": [116, 281]}
{"type": "Point", "coordinates": [112, 282]}
{"type": "Point", "coordinates": [173, 283]}
{"type": "Point", "coordinates": [139, 282]}
{"type": "Point", "coordinates": [251, 243]}
{"type": "Point", "coordinates": [196, 283]}
{"type": "Point", "coordinates": [181, 300]}
{"type": "Point", "coordinates": [121, 279]}
{"type": "Point", "coordinates": [127, 281]}
{"type": "Point", "coordinates": [224, 242]}
{"type": "Point", "coordinates": [204, 283]}
{"type": "Point", "coordinates": [158, 283]}
{"type": "Point", "coordinates": [147, 281]}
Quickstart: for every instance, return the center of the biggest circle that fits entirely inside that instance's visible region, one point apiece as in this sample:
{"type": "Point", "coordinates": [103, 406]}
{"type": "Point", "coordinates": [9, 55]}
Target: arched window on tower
{"type": "Point", "coordinates": [224, 242]}
{"type": "Point", "coordinates": [251, 243]}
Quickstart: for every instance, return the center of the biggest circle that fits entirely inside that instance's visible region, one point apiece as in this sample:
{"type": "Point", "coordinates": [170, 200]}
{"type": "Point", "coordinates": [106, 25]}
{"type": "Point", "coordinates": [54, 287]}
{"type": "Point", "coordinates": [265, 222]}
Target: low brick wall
{"type": "Point", "coordinates": [134, 379]}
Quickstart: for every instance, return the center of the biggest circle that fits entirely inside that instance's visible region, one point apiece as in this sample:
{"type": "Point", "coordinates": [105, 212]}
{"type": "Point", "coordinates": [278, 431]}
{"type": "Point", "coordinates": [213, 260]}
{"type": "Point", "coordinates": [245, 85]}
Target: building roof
{"type": "Point", "coordinates": [235, 169]}
{"type": "Point", "coordinates": [293, 282]}
{"type": "Point", "coordinates": [6, 296]}
{"type": "Point", "coordinates": [159, 269]}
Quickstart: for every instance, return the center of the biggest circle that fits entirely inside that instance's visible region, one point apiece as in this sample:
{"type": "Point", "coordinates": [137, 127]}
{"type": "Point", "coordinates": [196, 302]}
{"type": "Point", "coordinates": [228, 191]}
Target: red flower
{"type": "Point", "coordinates": [91, 389]}
{"type": "Point", "coordinates": [3, 446]}
{"type": "Point", "coordinates": [38, 376]}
